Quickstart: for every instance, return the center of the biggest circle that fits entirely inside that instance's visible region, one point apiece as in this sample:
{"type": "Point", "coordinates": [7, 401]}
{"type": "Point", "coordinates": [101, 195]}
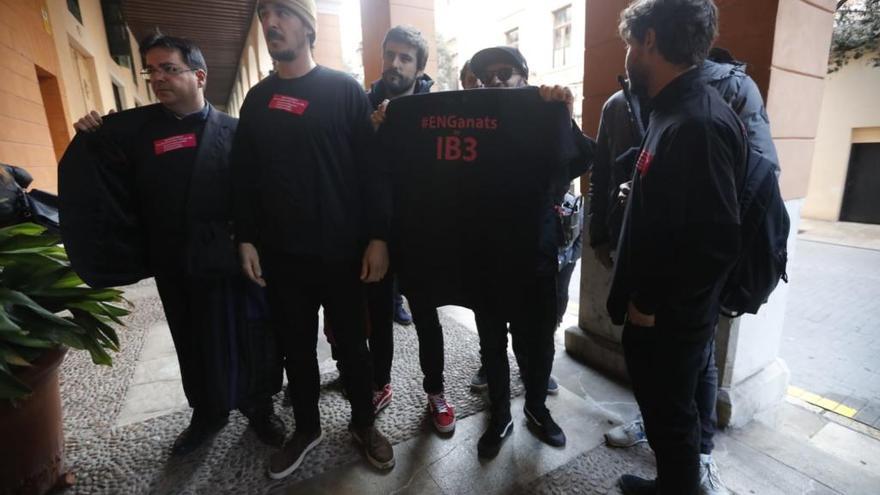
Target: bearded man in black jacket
{"type": "Point", "coordinates": [681, 230]}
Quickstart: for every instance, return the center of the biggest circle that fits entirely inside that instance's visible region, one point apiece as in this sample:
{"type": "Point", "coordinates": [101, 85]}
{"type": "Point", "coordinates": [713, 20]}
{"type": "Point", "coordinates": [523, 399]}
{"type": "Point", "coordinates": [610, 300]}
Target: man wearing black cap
{"type": "Point", "coordinates": [533, 326]}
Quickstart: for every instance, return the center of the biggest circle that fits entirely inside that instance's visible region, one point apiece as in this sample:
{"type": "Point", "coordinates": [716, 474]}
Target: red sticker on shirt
{"type": "Point", "coordinates": [288, 104]}
{"type": "Point", "coordinates": [162, 146]}
{"type": "Point", "coordinates": [644, 163]}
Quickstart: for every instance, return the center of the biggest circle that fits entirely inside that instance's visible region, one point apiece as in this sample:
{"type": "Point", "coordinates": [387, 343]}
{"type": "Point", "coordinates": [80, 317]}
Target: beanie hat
{"type": "Point", "coordinates": [305, 9]}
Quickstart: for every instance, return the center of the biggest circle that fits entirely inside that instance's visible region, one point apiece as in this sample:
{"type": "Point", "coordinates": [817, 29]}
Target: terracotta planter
{"type": "Point", "coordinates": [32, 453]}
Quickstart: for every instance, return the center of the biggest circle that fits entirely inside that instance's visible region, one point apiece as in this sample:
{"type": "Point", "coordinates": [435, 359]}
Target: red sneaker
{"type": "Point", "coordinates": [442, 413]}
{"type": "Point", "coordinates": [381, 398]}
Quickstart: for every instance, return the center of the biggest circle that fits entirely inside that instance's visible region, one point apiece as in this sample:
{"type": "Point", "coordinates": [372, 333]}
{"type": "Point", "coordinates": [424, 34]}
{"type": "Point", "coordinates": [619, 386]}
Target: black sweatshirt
{"type": "Point", "coordinates": [681, 228]}
{"type": "Point", "coordinates": [304, 180]}
{"type": "Point", "coordinates": [473, 171]}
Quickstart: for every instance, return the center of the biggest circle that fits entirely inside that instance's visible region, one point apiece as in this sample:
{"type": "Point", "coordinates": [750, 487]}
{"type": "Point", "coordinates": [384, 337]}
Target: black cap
{"type": "Point", "coordinates": [499, 54]}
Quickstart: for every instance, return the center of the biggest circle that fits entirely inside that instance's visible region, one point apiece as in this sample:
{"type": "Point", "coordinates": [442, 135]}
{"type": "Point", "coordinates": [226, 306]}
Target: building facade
{"type": "Point", "coordinates": [845, 176]}
{"type": "Point", "coordinates": [57, 65]}
{"type": "Point", "coordinates": [549, 34]}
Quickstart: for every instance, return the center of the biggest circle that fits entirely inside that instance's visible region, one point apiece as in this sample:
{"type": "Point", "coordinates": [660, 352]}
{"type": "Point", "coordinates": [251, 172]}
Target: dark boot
{"type": "Point", "coordinates": [201, 429]}
{"type": "Point", "coordinates": [268, 427]}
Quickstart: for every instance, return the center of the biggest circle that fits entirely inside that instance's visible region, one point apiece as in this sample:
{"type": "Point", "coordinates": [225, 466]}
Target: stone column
{"type": "Point", "coordinates": [378, 16]}
{"type": "Point", "coordinates": [786, 44]}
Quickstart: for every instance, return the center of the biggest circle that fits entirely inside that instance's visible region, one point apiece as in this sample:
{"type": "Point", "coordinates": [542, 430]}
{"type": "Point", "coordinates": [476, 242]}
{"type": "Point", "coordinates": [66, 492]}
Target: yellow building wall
{"type": "Point", "coordinates": [100, 71]}
{"type": "Point", "coordinates": [40, 91]}
{"type": "Point", "coordinates": [31, 92]}
{"type": "Point", "coordinates": [850, 113]}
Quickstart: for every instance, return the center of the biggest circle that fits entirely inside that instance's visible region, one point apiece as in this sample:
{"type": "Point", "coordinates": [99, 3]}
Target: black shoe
{"type": "Point", "coordinates": [197, 433]}
{"type": "Point", "coordinates": [401, 316]}
{"type": "Point", "coordinates": [269, 429]}
{"type": "Point", "coordinates": [547, 430]}
{"type": "Point", "coordinates": [633, 485]}
{"type": "Point", "coordinates": [490, 443]}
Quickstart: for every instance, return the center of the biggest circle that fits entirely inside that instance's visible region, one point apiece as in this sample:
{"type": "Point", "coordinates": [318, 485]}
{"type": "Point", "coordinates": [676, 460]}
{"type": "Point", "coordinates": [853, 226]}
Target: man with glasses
{"type": "Point", "coordinates": [178, 151]}
{"type": "Point", "coordinates": [531, 327]}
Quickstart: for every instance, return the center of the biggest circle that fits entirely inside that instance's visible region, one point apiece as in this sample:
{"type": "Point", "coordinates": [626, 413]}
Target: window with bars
{"type": "Point", "coordinates": [561, 36]}
{"type": "Point", "coordinates": [73, 7]}
{"type": "Point", "coordinates": [512, 38]}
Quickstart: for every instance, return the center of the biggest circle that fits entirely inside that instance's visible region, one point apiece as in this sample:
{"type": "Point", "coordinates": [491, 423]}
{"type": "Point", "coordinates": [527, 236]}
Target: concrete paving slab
{"type": "Point", "coordinates": [810, 461]}
{"type": "Point", "coordinates": [859, 450]}
{"type": "Point", "coordinates": [163, 369]}
{"type": "Point", "coordinates": [158, 343]}
{"type": "Point", "coordinates": [523, 457]}
{"type": "Point", "coordinates": [747, 470]}
{"type": "Point", "coordinates": [151, 400]}
{"type": "Point", "coordinates": [799, 422]}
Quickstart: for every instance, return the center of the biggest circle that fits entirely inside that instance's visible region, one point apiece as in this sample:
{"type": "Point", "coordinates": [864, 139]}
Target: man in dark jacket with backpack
{"type": "Point", "coordinates": [680, 233]}
{"type": "Point", "coordinates": [618, 132]}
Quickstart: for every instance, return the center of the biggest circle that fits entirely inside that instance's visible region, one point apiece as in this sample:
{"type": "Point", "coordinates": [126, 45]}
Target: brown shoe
{"type": "Point", "coordinates": [285, 461]}
{"type": "Point", "coordinates": [376, 447]}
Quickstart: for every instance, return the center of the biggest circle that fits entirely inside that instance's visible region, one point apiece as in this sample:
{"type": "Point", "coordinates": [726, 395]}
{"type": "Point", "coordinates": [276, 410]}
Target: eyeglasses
{"type": "Point", "coordinates": [503, 74]}
{"type": "Point", "coordinates": [167, 69]}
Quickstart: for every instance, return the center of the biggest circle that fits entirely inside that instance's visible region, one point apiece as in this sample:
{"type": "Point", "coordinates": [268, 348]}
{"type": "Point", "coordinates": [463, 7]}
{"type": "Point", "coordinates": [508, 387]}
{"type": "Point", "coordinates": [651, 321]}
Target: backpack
{"type": "Point", "coordinates": [764, 227]}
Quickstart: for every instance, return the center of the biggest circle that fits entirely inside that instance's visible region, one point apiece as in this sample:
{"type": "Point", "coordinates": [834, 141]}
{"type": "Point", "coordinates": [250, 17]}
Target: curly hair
{"type": "Point", "coordinates": [685, 29]}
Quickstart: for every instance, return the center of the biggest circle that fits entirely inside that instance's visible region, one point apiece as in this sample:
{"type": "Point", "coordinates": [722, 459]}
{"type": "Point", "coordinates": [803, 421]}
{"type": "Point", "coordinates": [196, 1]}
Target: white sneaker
{"type": "Point", "coordinates": [626, 435]}
{"type": "Point", "coordinates": [710, 479]}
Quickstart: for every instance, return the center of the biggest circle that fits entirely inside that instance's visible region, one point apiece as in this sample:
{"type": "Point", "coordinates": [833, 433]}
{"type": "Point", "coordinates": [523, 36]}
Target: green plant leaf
{"type": "Point", "coordinates": [101, 308]}
{"type": "Point", "coordinates": [28, 341]}
{"type": "Point", "coordinates": [68, 279]}
{"type": "Point", "coordinates": [23, 242]}
{"type": "Point", "coordinates": [80, 293]}
{"type": "Point", "coordinates": [15, 298]}
{"type": "Point", "coordinates": [97, 329]}
{"type": "Point", "coordinates": [22, 229]}
{"type": "Point", "coordinates": [6, 323]}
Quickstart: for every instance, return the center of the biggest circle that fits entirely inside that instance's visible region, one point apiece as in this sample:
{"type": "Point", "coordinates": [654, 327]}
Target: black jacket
{"type": "Point", "coordinates": [379, 93]}
{"type": "Point", "coordinates": [681, 228]}
{"type": "Point", "coordinates": [102, 220]}
{"type": "Point", "coordinates": [617, 134]}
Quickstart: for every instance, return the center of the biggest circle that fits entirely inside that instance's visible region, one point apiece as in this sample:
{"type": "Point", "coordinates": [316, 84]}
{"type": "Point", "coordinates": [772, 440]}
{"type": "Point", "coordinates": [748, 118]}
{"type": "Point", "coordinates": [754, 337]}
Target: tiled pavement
{"type": "Point", "coordinates": [831, 340]}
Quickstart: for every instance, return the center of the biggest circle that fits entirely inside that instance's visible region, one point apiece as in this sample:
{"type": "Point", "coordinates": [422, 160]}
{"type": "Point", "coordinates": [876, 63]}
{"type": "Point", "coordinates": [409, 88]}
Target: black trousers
{"type": "Point", "coordinates": [707, 397]}
{"type": "Point", "coordinates": [532, 320]}
{"type": "Point", "coordinates": [297, 287]}
{"type": "Point", "coordinates": [431, 350]}
{"type": "Point", "coordinates": [216, 331]}
{"type": "Point", "coordinates": [563, 280]}
{"type": "Point", "coordinates": [664, 368]}
{"type": "Point", "coordinates": [380, 308]}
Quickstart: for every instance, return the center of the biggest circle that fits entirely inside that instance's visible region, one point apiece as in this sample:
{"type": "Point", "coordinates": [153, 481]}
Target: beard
{"type": "Point", "coordinates": [397, 83]}
{"type": "Point", "coordinates": [283, 55]}
{"type": "Point", "coordinates": [638, 80]}
{"type": "Point", "coordinates": [286, 54]}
